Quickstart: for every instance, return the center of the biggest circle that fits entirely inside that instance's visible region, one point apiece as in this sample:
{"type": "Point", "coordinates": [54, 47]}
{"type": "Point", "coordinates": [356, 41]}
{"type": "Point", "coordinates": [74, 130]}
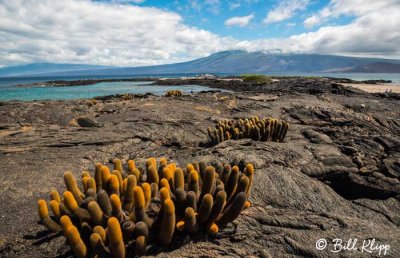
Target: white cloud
{"type": "Point", "coordinates": [285, 10]}
{"type": "Point", "coordinates": [312, 21]}
{"type": "Point", "coordinates": [375, 31]}
{"type": "Point", "coordinates": [213, 6]}
{"type": "Point", "coordinates": [236, 4]}
{"type": "Point", "coordinates": [233, 6]}
{"type": "Point", "coordinates": [96, 32]}
{"type": "Point", "coordinates": [240, 21]}
{"type": "Point", "coordinates": [358, 8]}
{"type": "Point", "coordinates": [81, 31]}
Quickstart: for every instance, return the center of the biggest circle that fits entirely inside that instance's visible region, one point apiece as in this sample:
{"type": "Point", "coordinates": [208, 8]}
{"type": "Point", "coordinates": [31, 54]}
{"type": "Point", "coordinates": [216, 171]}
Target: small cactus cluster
{"type": "Point", "coordinates": [91, 102]}
{"type": "Point", "coordinates": [121, 212]}
{"type": "Point", "coordinates": [126, 96]}
{"type": "Point", "coordinates": [267, 129]}
{"type": "Point", "coordinates": [173, 93]}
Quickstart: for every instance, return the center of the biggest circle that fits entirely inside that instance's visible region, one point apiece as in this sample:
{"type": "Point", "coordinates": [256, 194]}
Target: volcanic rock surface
{"type": "Point", "coordinates": [336, 175]}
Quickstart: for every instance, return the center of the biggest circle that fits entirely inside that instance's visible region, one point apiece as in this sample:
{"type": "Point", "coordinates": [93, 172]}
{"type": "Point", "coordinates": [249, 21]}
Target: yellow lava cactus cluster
{"type": "Point", "coordinates": [173, 93]}
{"type": "Point", "coordinates": [267, 129]}
{"type": "Point", "coordinates": [119, 213]}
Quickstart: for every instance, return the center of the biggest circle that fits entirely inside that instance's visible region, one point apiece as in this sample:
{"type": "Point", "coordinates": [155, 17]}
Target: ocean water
{"type": "Point", "coordinates": [89, 91]}
{"type": "Point", "coordinates": [18, 88]}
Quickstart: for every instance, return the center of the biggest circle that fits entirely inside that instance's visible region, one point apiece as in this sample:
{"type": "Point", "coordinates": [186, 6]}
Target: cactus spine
{"type": "Point", "coordinates": [179, 180]}
{"type": "Point", "coordinates": [65, 222]}
{"type": "Point", "coordinates": [191, 200]}
{"type": "Point", "coordinates": [101, 231]}
{"type": "Point", "coordinates": [205, 208]}
{"type": "Point", "coordinates": [96, 213]}
{"type": "Point", "coordinates": [120, 179]}
{"type": "Point", "coordinates": [168, 223]}
{"type": "Point", "coordinates": [118, 165]}
{"type": "Point", "coordinates": [128, 197]}
{"type": "Point", "coordinates": [91, 184]}
{"type": "Point", "coordinates": [208, 182]}
{"type": "Point", "coordinates": [164, 184]}
{"type": "Point", "coordinates": [232, 182]}
{"type": "Point", "coordinates": [194, 182]}
{"type": "Point", "coordinates": [152, 175]}
{"type": "Point", "coordinates": [45, 219]}
{"type": "Point", "coordinates": [55, 196]}
{"type": "Point", "coordinates": [114, 232]}
{"type": "Point", "coordinates": [147, 194]}
{"type": "Point", "coordinates": [98, 246]}
{"type": "Point", "coordinates": [140, 203]}
{"type": "Point", "coordinates": [218, 206]}
{"type": "Point", "coordinates": [241, 187]}
{"type": "Point", "coordinates": [97, 176]}
{"type": "Point", "coordinates": [71, 185]}
{"type": "Point", "coordinates": [233, 211]}
{"type": "Point", "coordinates": [104, 202]}
{"type": "Point", "coordinates": [116, 207]}
{"type": "Point", "coordinates": [249, 172]}
{"type": "Point", "coordinates": [72, 205]}
{"type": "Point", "coordinates": [154, 189]}
{"type": "Point", "coordinates": [190, 220]}
{"type": "Point", "coordinates": [114, 185]}
{"type": "Point", "coordinates": [105, 175]}
{"type": "Point", "coordinates": [140, 245]}
{"type": "Point", "coordinates": [77, 245]}
{"type": "Point", "coordinates": [55, 208]}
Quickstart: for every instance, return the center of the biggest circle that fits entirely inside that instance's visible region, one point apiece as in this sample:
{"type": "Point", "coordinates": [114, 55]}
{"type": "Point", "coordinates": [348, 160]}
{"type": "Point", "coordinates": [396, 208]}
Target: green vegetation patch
{"type": "Point", "coordinates": [256, 78]}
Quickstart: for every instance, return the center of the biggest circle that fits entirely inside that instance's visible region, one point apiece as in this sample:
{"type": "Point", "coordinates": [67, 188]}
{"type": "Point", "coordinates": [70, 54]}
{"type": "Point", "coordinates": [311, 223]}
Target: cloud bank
{"type": "Point", "coordinates": [82, 31]}
{"type": "Point", "coordinates": [374, 30]}
{"type": "Point", "coordinates": [97, 32]}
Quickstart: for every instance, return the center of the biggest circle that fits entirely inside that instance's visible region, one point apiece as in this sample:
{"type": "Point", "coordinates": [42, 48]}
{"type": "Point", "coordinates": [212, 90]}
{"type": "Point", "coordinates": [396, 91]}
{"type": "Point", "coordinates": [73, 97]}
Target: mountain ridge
{"type": "Point", "coordinates": [226, 62]}
{"type": "Point", "coordinates": [44, 67]}
{"type": "Point", "coordinates": [377, 68]}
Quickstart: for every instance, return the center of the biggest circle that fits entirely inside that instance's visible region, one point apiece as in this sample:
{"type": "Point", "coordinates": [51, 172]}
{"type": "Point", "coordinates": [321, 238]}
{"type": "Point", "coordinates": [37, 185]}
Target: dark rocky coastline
{"type": "Point", "coordinates": [64, 83]}
{"type": "Point", "coordinates": [219, 81]}
{"type": "Point", "coordinates": [337, 174]}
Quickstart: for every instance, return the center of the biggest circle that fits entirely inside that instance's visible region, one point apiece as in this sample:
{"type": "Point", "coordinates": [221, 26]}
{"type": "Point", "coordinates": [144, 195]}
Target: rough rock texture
{"type": "Point", "coordinates": [337, 175]}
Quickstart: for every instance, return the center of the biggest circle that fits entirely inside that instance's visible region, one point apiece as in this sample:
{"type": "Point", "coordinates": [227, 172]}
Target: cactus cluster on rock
{"type": "Point", "coordinates": [121, 212]}
{"type": "Point", "coordinates": [173, 93]}
{"type": "Point", "coordinates": [267, 129]}
{"type": "Point", "coordinates": [126, 96]}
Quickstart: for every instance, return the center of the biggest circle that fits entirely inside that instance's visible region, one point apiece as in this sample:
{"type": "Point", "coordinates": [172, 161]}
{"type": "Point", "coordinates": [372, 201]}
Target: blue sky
{"type": "Point", "coordinates": [144, 32]}
{"type": "Point", "coordinates": [212, 16]}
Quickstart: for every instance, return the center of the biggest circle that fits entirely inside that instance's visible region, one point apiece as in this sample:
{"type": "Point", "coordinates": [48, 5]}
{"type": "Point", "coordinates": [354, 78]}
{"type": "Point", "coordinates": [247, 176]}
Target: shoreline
{"type": "Point", "coordinates": [277, 85]}
{"type": "Point", "coordinates": [86, 82]}
{"type": "Point", "coordinates": [376, 88]}
{"type": "Point", "coordinates": [82, 82]}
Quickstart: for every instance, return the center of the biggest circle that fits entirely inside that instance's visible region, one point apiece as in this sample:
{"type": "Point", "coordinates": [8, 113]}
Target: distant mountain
{"type": "Point", "coordinates": [378, 67]}
{"type": "Point", "coordinates": [46, 68]}
{"type": "Point", "coordinates": [234, 62]}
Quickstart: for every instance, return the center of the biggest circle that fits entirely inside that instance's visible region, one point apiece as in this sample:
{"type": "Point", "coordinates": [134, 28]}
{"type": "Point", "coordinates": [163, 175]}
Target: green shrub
{"type": "Point", "coordinates": [256, 78]}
